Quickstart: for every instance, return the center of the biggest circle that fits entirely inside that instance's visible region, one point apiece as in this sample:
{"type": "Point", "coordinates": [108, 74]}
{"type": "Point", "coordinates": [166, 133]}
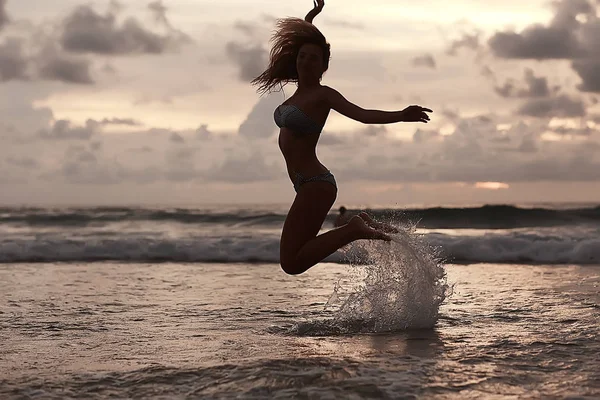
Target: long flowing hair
{"type": "Point", "coordinates": [290, 36]}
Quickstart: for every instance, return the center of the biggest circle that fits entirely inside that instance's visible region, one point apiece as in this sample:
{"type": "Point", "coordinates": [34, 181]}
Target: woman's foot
{"type": "Point", "coordinates": [364, 231]}
{"type": "Point", "coordinates": [377, 225]}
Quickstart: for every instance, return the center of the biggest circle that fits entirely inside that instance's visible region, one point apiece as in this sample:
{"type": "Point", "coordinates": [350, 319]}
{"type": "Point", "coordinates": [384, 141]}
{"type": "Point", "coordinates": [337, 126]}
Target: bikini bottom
{"type": "Point", "coordinates": [325, 177]}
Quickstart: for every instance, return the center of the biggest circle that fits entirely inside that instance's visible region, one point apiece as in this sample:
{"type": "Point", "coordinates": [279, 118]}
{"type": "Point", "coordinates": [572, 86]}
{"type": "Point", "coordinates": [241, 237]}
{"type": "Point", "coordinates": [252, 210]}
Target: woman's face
{"type": "Point", "coordinates": [310, 62]}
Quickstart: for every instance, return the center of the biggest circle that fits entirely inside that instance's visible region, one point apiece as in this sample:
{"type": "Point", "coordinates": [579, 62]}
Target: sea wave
{"type": "Point", "coordinates": [485, 217]}
{"type": "Point", "coordinates": [493, 248]}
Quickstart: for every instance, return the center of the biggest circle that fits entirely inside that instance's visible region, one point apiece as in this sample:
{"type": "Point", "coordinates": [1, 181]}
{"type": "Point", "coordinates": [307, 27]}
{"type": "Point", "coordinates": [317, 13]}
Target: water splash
{"type": "Point", "coordinates": [393, 286]}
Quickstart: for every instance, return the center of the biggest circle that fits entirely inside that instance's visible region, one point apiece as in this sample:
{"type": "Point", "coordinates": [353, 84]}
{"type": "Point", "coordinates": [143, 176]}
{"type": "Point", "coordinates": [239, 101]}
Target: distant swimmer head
{"type": "Point", "coordinates": [300, 51]}
{"type": "Point", "coordinates": [342, 210]}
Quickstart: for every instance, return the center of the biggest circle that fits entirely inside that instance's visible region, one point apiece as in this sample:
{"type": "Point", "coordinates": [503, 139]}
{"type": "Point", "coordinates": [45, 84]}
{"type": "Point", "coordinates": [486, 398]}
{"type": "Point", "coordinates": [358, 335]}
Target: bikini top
{"type": "Point", "coordinates": [290, 116]}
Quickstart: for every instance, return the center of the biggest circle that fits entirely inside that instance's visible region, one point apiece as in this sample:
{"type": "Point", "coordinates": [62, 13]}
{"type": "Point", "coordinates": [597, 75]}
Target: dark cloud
{"type": "Point", "coordinates": [589, 72]}
{"type": "Point", "coordinates": [203, 133]}
{"type": "Point", "coordinates": [63, 130]}
{"type": "Point", "coordinates": [120, 121]}
{"type": "Point", "coordinates": [506, 90]}
{"type": "Point", "coordinates": [567, 37]}
{"type": "Point", "coordinates": [251, 59]}
{"type": "Point", "coordinates": [48, 64]}
{"type": "Point", "coordinates": [23, 162]}
{"type": "Point", "coordinates": [468, 41]}
{"type": "Point", "coordinates": [425, 60]}
{"type": "Point", "coordinates": [13, 61]}
{"type": "Point", "coordinates": [585, 131]}
{"type": "Point", "coordinates": [559, 40]}
{"type": "Point", "coordinates": [536, 42]}
{"type": "Point", "coordinates": [56, 66]}
{"type": "Point", "coordinates": [3, 15]}
{"type": "Point", "coordinates": [86, 31]}
{"type": "Point", "coordinates": [176, 138]}
{"type": "Point", "coordinates": [535, 87]}
{"type": "Point", "coordinates": [159, 11]}
{"type": "Point", "coordinates": [561, 106]}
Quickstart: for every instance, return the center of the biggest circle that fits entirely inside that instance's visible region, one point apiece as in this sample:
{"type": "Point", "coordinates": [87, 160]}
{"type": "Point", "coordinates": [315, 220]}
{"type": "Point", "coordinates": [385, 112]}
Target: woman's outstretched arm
{"type": "Point", "coordinates": [339, 103]}
{"type": "Point", "coordinates": [319, 4]}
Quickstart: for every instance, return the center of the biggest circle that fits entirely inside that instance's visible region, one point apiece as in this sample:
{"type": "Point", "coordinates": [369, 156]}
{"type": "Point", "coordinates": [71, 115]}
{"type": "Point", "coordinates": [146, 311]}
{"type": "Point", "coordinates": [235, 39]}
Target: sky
{"type": "Point", "coordinates": [150, 102]}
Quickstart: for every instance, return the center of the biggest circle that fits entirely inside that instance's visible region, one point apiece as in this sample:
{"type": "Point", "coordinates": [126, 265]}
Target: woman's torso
{"type": "Point", "coordinates": [299, 149]}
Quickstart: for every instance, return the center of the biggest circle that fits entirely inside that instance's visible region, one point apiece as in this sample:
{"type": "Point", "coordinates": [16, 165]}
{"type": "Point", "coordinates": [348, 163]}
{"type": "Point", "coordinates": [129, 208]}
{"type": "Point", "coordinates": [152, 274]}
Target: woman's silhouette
{"type": "Point", "coordinates": [300, 54]}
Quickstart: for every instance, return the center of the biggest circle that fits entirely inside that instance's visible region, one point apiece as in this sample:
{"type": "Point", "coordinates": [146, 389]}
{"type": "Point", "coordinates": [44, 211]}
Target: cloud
{"type": "Point", "coordinates": [23, 162]}
{"type": "Point", "coordinates": [249, 29]}
{"type": "Point", "coordinates": [56, 66]}
{"type": "Point", "coordinates": [585, 131]}
{"type": "Point", "coordinates": [259, 123]}
{"type": "Point", "coordinates": [13, 60]}
{"type": "Point", "coordinates": [536, 42]}
{"type": "Point", "coordinates": [202, 133]}
{"type": "Point", "coordinates": [573, 34]}
{"type": "Point", "coordinates": [120, 121]}
{"type": "Point", "coordinates": [561, 107]}
{"type": "Point", "coordinates": [3, 15]}
{"type": "Point", "coordinates": [332, 140]}
{"type": "Point", "coordinates": [466, 157]}
{"type": "Point", "coordinates": [536, 87]}
{"type": "Point", "coordinates": [176, 138]}
{"type": "Point", "coordinates": [160, 12]}
{"type": "Point", "coordinates": [238, 169]}
{"type": "Point", "coordinates": [63, 130]}
{"type": "Point", "coordinates": [559, 40]}
{"type": "Point", "coordinates": [425, 60]}
{"type": "Point", "coordinates": [143, 149]}
{"type": "Point", "coordinates": [86, 31]}
{"type": "Point", "coordinates": [589, 72]}
{"type": "Point", "coordinates": [181, 165]}
{"type": "Point", "coordinates": [422, 135]}
{"type": "Point", "coordinates": [250, 59]}
{"type": "Point", "coordinates": [48, 64]}
{"type": "Point", "coordinates": [468, 41]}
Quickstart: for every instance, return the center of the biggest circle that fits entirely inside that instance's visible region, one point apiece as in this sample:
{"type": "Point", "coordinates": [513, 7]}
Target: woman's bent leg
{"type": "Point", "coordinates": [322, 246]}
{"type": "Point", "coordinates": [300, 247]}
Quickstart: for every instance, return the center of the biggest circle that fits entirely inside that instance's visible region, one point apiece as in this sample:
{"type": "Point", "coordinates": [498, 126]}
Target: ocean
{"type": "Point", "coordinates": [494, 301]}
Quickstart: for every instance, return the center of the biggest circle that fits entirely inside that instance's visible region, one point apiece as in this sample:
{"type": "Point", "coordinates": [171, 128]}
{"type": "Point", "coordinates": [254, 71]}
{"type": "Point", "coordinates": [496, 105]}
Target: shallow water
{"type": "Point", "coordinates": [248, 331]}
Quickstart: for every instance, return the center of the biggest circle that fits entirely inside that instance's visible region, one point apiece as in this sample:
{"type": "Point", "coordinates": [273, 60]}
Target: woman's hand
{"type": "Point", "coordinates": [415, 114]}
{"type": "Point", "coordinates": [318, 7]}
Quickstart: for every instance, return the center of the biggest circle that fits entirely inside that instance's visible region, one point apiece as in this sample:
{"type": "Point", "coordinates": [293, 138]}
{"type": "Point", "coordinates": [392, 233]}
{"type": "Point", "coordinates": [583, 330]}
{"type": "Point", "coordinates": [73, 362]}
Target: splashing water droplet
{"type": "Point", "coordinates": [393, 286]}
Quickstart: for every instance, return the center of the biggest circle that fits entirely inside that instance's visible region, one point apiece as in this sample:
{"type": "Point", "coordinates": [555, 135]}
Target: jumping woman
{"type": "Point", "coordinates": [301, 54]}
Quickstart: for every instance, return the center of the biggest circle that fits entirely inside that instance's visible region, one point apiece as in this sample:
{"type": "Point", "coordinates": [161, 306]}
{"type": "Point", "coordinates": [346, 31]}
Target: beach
{"type": "Point", "coordinates": [172, 330]}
